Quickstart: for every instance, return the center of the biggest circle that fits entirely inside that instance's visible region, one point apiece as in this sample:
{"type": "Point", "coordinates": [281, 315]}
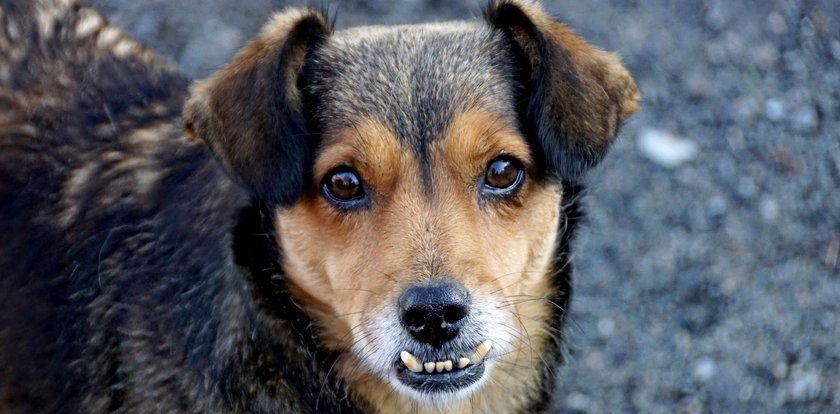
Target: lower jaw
{"type": "Point", "coordinates": [440, 383]}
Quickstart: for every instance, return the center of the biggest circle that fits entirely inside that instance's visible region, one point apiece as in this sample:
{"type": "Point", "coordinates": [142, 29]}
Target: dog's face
{"type": "Point", "coordinates": [410, 263]}
{"type": "Point", "coordinates": [418, 169]}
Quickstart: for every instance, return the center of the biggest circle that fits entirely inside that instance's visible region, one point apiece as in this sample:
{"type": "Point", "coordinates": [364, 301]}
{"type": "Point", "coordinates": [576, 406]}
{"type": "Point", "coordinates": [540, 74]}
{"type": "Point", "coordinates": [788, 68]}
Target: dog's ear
{"type": "Point", "coordinates": [250, 113]}
{"type": "Point", "coordinates": [574, 95]}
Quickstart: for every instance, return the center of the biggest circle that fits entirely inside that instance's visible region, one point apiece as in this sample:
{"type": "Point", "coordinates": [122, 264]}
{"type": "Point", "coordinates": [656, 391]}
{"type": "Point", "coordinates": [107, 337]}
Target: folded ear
{"type": "Point", "coordinates": [575, 95]}
{"type": "Point", "coordinates": [250, 112]}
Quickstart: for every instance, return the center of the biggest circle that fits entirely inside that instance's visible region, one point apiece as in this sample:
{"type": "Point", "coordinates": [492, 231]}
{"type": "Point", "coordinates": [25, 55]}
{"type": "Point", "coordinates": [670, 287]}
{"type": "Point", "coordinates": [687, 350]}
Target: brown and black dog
{"type": "Point", "coordinates": [381, 223]}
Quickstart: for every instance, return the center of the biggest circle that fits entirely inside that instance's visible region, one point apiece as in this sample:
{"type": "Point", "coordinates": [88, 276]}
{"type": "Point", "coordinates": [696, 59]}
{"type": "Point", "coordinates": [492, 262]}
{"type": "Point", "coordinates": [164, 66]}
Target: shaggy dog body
{"type": "Point", "coordinates": [373, 201]}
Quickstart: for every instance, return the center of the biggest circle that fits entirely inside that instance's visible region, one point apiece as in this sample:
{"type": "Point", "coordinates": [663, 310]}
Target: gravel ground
{"type": "Point", "coordinates": [708, 276]}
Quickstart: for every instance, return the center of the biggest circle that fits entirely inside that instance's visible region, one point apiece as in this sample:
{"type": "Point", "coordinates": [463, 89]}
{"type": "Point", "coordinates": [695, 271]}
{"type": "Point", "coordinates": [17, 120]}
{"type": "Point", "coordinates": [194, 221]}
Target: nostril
{"type": "Point", "coordinates": [453, 314]}
{"type": "Point", "coordinates": [414, 318]}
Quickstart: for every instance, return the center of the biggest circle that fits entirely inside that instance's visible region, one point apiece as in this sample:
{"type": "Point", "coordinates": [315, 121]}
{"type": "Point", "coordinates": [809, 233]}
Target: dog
{"type": "Point", "coordinates": [372, 220]}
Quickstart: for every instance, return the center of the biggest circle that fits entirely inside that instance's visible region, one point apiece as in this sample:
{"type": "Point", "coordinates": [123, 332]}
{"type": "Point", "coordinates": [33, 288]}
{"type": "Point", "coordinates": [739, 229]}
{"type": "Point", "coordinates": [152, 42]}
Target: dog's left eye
{"type": "Point", "coordinates": [503, 176]}
{"type": "Point", "coordinates": [343, 186]}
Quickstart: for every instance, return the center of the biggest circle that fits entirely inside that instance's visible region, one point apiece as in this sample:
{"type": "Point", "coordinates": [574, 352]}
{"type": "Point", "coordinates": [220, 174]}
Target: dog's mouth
{"type": "Point", "coordinates": [447, 373]}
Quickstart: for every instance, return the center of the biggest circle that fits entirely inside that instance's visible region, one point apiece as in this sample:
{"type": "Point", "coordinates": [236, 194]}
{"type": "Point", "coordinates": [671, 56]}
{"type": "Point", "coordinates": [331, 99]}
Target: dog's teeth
{"type": "Point", "coordinates": [462, 362]}
{"type": "Point", "coordinates": [447, 365]}
{"type": "Point", "coordinates": [411, 362]}
{"type": "Point", "coordinates": [430, 366]}
{"type": "Point", "coordinates": [439, 366]}
{"type": "Point", "coordinates": [483, 348]}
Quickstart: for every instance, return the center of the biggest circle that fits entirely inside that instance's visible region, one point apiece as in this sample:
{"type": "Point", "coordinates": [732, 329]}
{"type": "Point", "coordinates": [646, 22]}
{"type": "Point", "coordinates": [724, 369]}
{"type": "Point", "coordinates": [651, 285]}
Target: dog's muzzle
{"type": "Point", "coordinates": [434, 314]}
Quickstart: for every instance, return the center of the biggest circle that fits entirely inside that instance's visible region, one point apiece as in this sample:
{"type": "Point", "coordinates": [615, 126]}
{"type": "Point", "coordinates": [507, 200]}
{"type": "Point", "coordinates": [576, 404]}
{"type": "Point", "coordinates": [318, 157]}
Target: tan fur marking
{"type": "Point", "coordinates": [74, 185]}
{"type": "Point", "coordinates": [108, 36]}
{"type": "Point", "coordinates": [190, 133]}
{"type": "Point", "coordinates": [89, 22]}
{"type": "Point", "coordinates": [125, 47]}
{"type": "Point", "coordinates": [46, 18]}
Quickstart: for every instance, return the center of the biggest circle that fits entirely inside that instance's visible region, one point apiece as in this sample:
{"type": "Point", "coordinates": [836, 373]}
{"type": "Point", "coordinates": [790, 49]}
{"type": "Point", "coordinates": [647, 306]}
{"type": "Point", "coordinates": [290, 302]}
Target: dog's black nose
{"type": "Point", "coordinates": [432, 313]}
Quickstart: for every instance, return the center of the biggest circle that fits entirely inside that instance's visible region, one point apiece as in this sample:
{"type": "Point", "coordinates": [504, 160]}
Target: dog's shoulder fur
{"type": "Point", "coordinates": [119, 287]}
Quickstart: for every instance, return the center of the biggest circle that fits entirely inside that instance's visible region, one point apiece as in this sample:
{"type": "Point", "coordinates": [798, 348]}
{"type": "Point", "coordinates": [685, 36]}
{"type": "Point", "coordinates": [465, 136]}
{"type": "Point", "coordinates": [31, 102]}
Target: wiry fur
{"type": "Point", "coordinates": [119, 290]}
{"type": "Point", "coordinates": [144, 274]}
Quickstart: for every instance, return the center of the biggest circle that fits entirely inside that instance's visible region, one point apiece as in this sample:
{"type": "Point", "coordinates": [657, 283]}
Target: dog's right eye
{"type": "Point", "coordinates": [503, 176]}
{"type": "Point", "coordinates": [343, 186]}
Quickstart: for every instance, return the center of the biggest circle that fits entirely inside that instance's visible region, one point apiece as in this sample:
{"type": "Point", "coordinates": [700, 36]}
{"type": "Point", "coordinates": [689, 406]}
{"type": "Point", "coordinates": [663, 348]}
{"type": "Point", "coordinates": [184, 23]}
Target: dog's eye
{"type": "Point", "coordinates": [343, 185]}
{"type": "Point", "coordinates": [503, 175]}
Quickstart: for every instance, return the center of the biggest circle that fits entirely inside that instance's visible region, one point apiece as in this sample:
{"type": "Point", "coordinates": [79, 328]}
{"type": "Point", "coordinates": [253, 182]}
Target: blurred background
{"type": "Point", "coordinates": [708, 274]}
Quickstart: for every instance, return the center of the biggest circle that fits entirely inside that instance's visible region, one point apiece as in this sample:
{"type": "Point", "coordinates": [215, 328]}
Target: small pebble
{"type": "Point", "coordinates": [716, 206]}
{"type": "Point", "coordinates": [766, 55]}
{"type": "Point", "coordinates": [697, 84]}
{"type": "Point", "coordinates": [666, 149]}
{"type": "Point", "coordinates": [746, 392]}
{"type": "Point", "coordinates": [729, 286]}
{"type": "Point", "coordinates": [805, 387]}
{"type": "Point", "coordinates": [805, 118]}
{"type": "Point", "coordinates": [806, 26]}
{"type": "Point", "coordinates": [682, 340]}
{"type": "Point", "coordinates": [606, 326]}
{"type": "Point", "coordinates": [777, 23]}
{"type": "Point", "coordinates": [780, 370]}
{"type": "Point", "coordinates": [774, 109]}
{"type": "Point", "coordinates": [705, 369]}
{"type": "Point", "coordinates": [769, 210]}
{"type": "Point", "coordinates": [746, 108]}
{"type": "Point", "coordinates": [578, 401]}
{"type": "Point", "coordinates": [595, 360]}
{"type": "Point", "coordinates": [746, 187]}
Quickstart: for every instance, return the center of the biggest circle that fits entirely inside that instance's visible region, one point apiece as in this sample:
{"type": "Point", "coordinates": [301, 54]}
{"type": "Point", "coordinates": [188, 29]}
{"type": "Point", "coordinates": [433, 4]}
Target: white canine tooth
{"type": "Point", "coordinates": [439, 366]}
{"type": "Point", "coordinates": [447, 365]}
{"type": "Point", "coordinates": [430, 366]}
{"type": "Point", "coordinates": [462, 362]}
{"type": "Point", "coordinates": [411, 362]}
{"type": "Point", "coordinates": [483, 348]}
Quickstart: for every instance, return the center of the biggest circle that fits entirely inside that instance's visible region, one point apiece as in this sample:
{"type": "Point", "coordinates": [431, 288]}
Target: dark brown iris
{"type": "Point", "coordinates": [501, 173]}
{"type": "Point", "coordinates": [344, 185]}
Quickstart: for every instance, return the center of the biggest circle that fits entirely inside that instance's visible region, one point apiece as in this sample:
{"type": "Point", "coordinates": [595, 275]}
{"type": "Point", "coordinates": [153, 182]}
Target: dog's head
{"type": "Point", "coordinates": [417, 173]}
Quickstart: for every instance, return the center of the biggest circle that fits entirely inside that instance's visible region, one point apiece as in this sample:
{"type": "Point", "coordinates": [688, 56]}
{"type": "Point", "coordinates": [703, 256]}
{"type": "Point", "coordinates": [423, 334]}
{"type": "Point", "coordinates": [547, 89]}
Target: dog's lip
{"type": "Point", "coordinates": [440, 382]}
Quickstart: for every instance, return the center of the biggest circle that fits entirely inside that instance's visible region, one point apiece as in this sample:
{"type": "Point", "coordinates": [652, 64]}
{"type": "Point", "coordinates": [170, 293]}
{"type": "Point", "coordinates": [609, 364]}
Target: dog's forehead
{"type": "Point", "coordinates": [415, 79]}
